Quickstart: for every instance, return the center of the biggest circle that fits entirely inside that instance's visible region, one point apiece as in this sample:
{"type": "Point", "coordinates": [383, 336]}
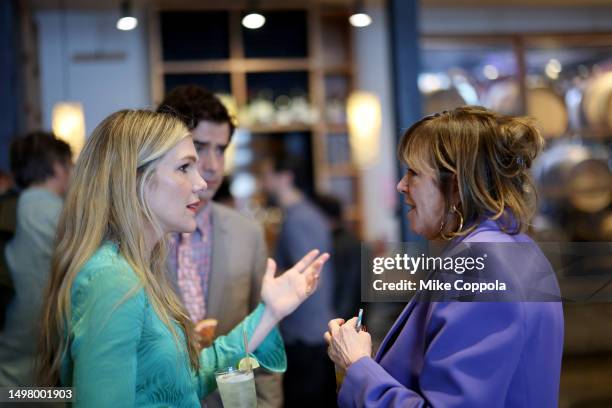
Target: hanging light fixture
{"type": "Point", "coordinates": [253, 20]}
{"type": "Point", "coordinates": [364, 120]}
{"type": "Point", "coordinates": [68, 123]}
{"type": "Point", "coordinates": [67, 118]}
{"type": "Point", "coordinates": [359, 18]}
{"type": "Point", "coordinates": [127, 21]}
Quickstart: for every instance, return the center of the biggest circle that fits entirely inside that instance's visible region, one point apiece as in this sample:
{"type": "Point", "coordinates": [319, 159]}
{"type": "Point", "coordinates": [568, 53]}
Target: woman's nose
{"type": "Point", "coordinates": [401, 186]}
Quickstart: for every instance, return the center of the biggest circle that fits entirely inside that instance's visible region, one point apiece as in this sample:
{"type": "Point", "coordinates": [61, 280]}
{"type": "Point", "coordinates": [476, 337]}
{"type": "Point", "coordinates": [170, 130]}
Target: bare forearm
{"type": "Point", "coordinates": [265, 326]}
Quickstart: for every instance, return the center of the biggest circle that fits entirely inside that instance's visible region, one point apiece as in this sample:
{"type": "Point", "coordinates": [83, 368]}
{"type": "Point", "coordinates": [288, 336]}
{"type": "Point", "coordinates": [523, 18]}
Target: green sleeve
{"type": "Point", "coordinates": [107, 324]}
{"type": "Point", "coordinates": [227, 350]}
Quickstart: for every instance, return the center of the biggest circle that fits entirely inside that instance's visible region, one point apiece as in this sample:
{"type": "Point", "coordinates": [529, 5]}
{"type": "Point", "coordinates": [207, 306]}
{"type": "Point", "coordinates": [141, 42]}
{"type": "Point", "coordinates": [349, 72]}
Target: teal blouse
{"type": "Point", "coordinates": [120, 354]}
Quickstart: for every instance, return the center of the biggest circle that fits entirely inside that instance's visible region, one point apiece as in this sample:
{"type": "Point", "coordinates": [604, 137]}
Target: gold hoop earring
{"type": "Point", "coordinates": [443, 224]}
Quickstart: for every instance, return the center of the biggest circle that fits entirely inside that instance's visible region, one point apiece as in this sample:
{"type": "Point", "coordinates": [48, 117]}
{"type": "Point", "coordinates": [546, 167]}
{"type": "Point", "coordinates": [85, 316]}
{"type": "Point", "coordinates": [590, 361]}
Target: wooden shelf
{"type": "Point", "coordinates": [340, 69]}
{"type": "Point", "coordinates": [329, 54]}
{"type": "Point", "coordinates": [336, 128]}
{"type": "Point", "coordinates": [239, 65]}
{"type": "Point", "coordinates": [279, 128]}
{"type": "Point", "coordinates": [341, 170]}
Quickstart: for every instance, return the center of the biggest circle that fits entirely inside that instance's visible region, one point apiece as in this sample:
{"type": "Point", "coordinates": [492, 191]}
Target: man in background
{"type": "Point", "coordinates": [309, 380]}
{"type": "Point", "coordinates": [217, 270]}
{"type": "Point", "coordinates": [41, 166]}
{"type": "Point", "coordinates": [8, 219]}
{"type": "Point", "coordinates": [346, 257]}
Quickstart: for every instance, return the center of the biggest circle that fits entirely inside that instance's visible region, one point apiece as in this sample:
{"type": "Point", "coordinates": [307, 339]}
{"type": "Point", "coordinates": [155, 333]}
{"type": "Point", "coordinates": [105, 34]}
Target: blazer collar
{"type": "Point", "coordinates": [219, 255]}
{"type": "Point", "coordinates": [399, 323]}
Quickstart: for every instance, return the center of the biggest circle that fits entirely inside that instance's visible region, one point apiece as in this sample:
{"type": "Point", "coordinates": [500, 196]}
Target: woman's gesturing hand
{"type": "Point", "coordinates": [346, 345]}
{"type": "Point", "coordinates": [283, 294]}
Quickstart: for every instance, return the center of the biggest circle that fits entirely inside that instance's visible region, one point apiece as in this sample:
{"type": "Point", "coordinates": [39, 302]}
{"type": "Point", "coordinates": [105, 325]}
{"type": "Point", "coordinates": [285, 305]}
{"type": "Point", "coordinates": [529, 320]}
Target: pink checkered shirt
{"type": "Point", "coordinates": [191, 258]}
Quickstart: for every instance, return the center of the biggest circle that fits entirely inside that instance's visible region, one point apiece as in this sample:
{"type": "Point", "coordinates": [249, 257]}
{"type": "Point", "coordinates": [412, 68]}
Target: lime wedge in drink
{"type": "Point", "coordinates": [248, 363]}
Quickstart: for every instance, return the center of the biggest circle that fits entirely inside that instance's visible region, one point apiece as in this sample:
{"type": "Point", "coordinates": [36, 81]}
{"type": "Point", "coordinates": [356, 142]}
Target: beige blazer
{"type": "Point", "coordinates": [239, 256]}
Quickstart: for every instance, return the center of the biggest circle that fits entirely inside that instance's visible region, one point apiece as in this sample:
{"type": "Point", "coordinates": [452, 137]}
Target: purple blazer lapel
{"type": "Point", "coordinates": [399, 323]}
{"type": "Point", "coordinates": [401, 320]}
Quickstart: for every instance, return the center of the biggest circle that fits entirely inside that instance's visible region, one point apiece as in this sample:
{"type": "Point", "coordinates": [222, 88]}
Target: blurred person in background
{"type": "Point", "coordinates": [6, 182]}
{"type": "Point", "coordinates": [224, 195]}
{"type": "Point", "coordinates": [41, 166]}
{"type": "Point", "coordinates": [310, 379]}
{"type": "Point", "coordinates": [211, 281]}
{"type": "Point", "coordinates": [467, 181]}
{"type": "Point", "coordinates": [112, 326]}
{"type": "Point", "coordinates": [8, 221]}
{"type": "Point", "coordinates": [345, 258]}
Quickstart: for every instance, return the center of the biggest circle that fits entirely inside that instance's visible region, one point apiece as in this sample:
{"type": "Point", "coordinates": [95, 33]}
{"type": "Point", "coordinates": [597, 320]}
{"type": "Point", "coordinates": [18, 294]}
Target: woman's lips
{"type": "Point", "coordinates": [193, 206]}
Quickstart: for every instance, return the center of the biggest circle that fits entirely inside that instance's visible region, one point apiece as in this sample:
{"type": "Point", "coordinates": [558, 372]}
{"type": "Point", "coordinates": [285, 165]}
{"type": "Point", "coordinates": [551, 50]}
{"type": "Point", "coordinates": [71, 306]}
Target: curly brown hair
{"type": "Point", "coordinates": [192, 104]}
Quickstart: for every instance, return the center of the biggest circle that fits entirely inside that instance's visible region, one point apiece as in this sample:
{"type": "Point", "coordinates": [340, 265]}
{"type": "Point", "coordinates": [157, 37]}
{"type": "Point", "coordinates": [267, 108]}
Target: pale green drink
{"type": "Point", "coordinates": [237, 388]}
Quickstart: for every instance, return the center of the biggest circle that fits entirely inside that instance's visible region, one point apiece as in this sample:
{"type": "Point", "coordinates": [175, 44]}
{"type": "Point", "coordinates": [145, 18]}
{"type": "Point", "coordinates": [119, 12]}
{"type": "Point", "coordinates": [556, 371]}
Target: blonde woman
{"type": "Point", "coordinates": [112, 326]}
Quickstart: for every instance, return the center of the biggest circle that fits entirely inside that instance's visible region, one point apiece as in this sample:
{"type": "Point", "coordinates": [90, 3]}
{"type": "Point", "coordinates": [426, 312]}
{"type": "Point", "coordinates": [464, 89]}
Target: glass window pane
{"type": "Point", "coordinates": [455, 74]}
{"type": "Point", "coordinates": [192, 35]}
{"type": "Point", "coordinates": [570, 89]}
{"type": "Point", "coordinates": [216, 83]}
{"type": "Point", "coordinates": [284, 35]}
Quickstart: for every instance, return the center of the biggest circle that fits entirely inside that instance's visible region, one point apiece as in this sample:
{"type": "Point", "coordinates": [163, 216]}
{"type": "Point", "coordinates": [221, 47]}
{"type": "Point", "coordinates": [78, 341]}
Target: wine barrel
{"type": "Point", "coordinates": [575, 176]}
{"type": "Point", "coordinates": [444, 99]}
{"type": "Point", "coordinates": [590, 186]}
{"type": "Point", "coordinates": [549, 110]}
{"type": "Point", "coordinates": [543, 104]}
{"type": "Point", "coordinates": [597, 102]}
{"type": "Point", "coordinates": [503, 97]}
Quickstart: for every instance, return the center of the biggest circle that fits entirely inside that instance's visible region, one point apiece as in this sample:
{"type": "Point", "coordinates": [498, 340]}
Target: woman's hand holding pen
{"type": "Point", "coordinates": [346, 344]}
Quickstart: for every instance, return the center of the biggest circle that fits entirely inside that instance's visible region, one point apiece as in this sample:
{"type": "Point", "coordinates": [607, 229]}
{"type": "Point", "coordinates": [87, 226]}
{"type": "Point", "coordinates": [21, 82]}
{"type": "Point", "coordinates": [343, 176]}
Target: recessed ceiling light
{"type": "Point", "coordinates": [253, 21]}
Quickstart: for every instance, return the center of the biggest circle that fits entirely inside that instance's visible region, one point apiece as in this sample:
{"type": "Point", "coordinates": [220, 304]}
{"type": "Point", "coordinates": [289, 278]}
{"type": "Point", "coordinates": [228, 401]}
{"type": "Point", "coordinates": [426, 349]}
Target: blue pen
{"type": "Point", "coordinates": [359, 317]}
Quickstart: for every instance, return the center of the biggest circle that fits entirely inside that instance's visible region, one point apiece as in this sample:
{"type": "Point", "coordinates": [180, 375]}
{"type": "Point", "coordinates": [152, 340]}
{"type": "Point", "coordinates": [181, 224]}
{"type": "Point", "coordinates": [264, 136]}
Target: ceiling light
{"type": "Point", "coordinates": [360, 20]}
{"type": "Point", "coordinates": [359, 17]}
{"type": "Point", "coordinates": [253, 21]}
{"type": "Point", "coordinates": [127, 21]}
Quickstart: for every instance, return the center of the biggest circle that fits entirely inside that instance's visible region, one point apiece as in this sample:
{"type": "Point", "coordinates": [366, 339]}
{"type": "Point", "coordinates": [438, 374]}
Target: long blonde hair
{"type": "Point", "coordinates": [490, 155]}
{"type": "Point", "coordinates": [106, 202]}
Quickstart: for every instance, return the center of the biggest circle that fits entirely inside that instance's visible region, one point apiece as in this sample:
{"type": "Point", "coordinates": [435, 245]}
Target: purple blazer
{"type": "Point", "coordinates": [459, 354]}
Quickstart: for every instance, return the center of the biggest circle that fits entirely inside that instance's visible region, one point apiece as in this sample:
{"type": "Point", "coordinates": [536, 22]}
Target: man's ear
{"type": "Point", "coordinates": [58, 169]}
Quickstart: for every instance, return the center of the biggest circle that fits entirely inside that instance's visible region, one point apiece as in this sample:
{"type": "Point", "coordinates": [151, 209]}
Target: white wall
{"type": "Point", "coordinates": [373, 74]}
{"type": "Point", "coordinates": [102, 86]}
